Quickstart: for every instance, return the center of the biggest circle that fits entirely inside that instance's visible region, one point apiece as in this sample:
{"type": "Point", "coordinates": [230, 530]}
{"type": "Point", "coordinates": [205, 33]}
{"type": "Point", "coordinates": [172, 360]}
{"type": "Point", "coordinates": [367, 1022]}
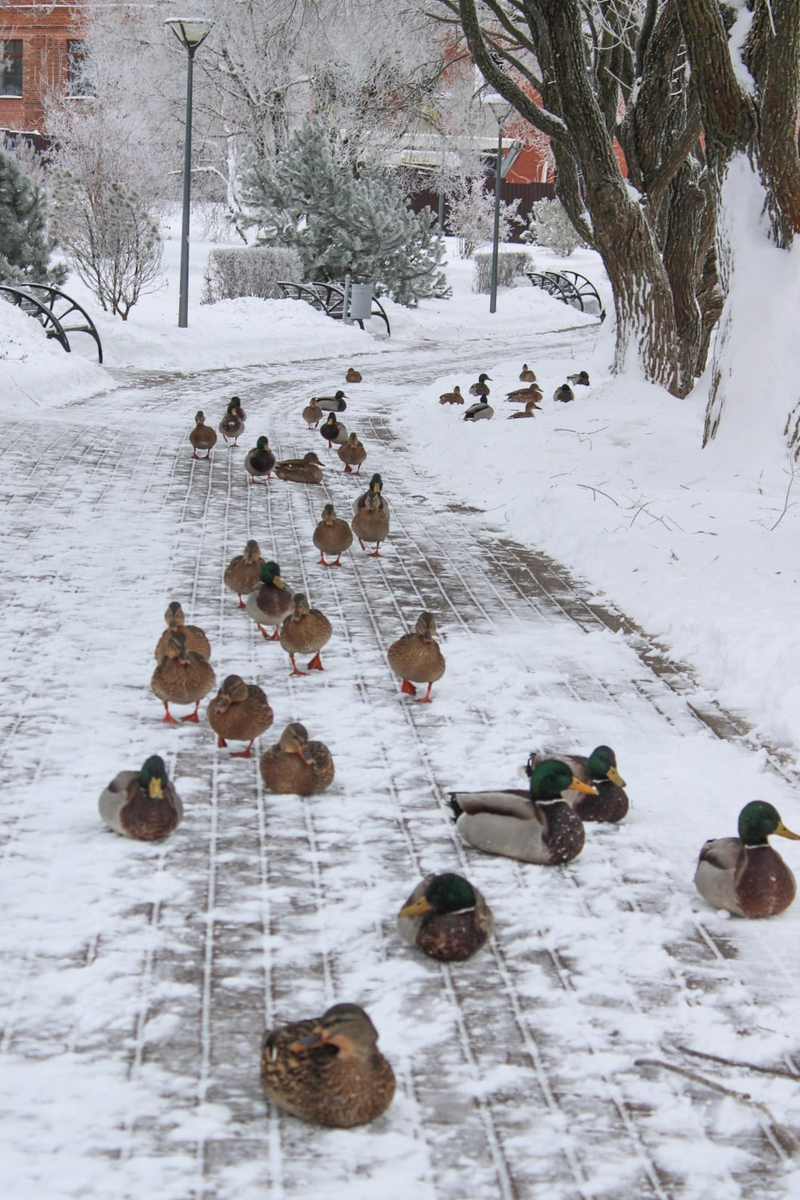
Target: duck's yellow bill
{"type": "Point", "coordinates": [417, 909]}
{"type": "Point", "coordinates": [578, 786]}
{"type": "Point", "coordinates": [614, 776]}
{"type": "Point", "coordinates": [782, 831]}
{"type": "Point", "coordinates": [154, 789]}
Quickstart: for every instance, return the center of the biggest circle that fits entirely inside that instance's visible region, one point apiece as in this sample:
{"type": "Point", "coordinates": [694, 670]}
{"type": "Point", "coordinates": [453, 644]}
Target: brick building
{"type": "Point", "coordinates": [40, 50]}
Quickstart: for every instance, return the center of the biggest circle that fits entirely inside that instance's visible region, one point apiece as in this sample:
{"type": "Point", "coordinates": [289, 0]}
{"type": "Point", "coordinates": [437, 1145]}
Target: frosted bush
{"type": "Point", "coordinates": [250, 271]}
{"type": "Point", "coordinates": [472, 217]}
{"type": "Point", "coordinates": [550, 227]}
{"type": "Point", "coordinates": [510, 263]}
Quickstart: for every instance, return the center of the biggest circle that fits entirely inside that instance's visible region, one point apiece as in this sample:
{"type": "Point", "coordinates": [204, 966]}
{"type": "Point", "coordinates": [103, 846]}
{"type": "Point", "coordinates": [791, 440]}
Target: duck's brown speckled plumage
{"type": "Point", "coordinates": [352, 454]}
{"type": "Point", "coordinates": [446, 936]}
{"type": "Point", "coordinates": [306, 630]}
{"type": "Point", "coordinates": [243, 571]}
{"type": "Point", "coordinates": [312, 414]}
{"type": "Point", "coordinates": [332, 536]}
{"type": "Point", "coordinates": [182, 676]}
{"type": "Point", "coordinates": [196, 639]}
{"type": "Point", "coordinates": [416, 657]}
{"type": "Point", "coordinates": [240, 712]}
{"type": "Point", "coordinates": [202, 437]}
{"type": "Point", "coordinates": [744, 875]}
{"type": "Point", "coordinates": [328, 1069]}
{"type": "Point", "coordinates": [307, 469]}
{"type": "Point", "coordinates": [296, 766]}
{"type": "Point", "coordinates": [142, 804]}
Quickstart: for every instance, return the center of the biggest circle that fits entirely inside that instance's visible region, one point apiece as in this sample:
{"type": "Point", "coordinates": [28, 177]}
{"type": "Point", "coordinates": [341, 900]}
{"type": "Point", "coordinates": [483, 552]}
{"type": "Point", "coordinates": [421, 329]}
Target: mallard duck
{"type": "Point", "coordinates": [239, 712]}
{"type": "Point", "coordinates": [352, 454]}
{"type": "Point", "coordinates": [416, 657]}
{"type": "Point", "coordinates": [236, 403]}
{"type": "Point", "coordinates": [176, 623]}
{"type": "Point", "coordinates": [446, 917]}
{"type": "Point", "coordinates": [307, 469]}
{"type": "Point", "coordinates": [328, 1069]}
{"type": "Point", "coordinates": [259, 461]}
{"type": "Point", "coordinates": [305, 631]}
{"type": "Point", "coordinates": [453, 397]}
{"type": "Point", "coordinates": [479, 412]}
{"type": "Point", "coordinates": [312, 414]}
{"type": "Point", "coordinates": [333, 431]}
{"type": "Point", "coordinates": [332, 536]}
{"type": "Point", "coordinates": [526, 375]}
{"type": "Point", "coordinates": [371, 520]}
{"type": "Point", "coordinates": [375, 488]}
{"type": "Point", "coordinates": [142, 804]}
{"type": "Point", "coordinates": [202, 436]}
{"type": "Point", "coordinates": [598, 769]}
{"type": "Point", "coordinates": [524, 394]}
{"type": "Point", "coordinates": [337, 403]}
{"type": "Point", "coordinates": [243, 572]}
{"type": "Point", "coordinates": [744, 874]}
{"type": "Point", "coordinates": [564, 394]}
{"type": "Point", "coordinates": [232, 424]}
{"type": "Point", "coordinates": [182, 677]}
{"type": "Point", "coordinates": [296, 766]}
{"type": "Point", "coordinates": [537, 826]}
{"type": "Point", "coordinates": [269, 603]}
{"type": "Point", "coordinates": [353, 376]}
{"type": "Point", "coordinates": [581, 378]}
{"type": "Point", "coordinates": [531, 409]}
{"type": "Point", "coordinates": [480, 388]}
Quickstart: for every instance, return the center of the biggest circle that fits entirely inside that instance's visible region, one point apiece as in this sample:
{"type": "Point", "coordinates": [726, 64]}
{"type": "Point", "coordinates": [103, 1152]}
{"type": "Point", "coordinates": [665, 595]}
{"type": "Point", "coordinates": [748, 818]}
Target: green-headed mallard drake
{"type": "Point", "coordinates": [332, 536]}
{"type": "Point", "coordinates": [446, 917]}
{"type": "Point", "coordinates": [480, 388]}
{"type": "Point", "coordinates": [598, 769]}
{"type": "Point", "coordinates": [305, 631]}
{"type": "Point", "coordinates": [307, 469]}
{"type": "Point", "coordinates": [536, 826]}
{"type": "Point", "coordinates": [176, 623]}
{"type": "Point", "coordinates": [239, 712]}
{"type": "Point", "coordinates": [202, 436]}
{"type": "Point", "coordinates": [333, 431]}
{"type": "Point", "coordinates": [526, 375]}
{"type": "Point", "coordinates": [232, 424]}
{"type": "Point", "coordinates": [581, 378]}
{"type": "Point", "coordinates": [453, 397]}
{"type": "Point", "coordinates": [337, 403]}
{"type": "Point", "coordinates": [744, 874]}
{"type": "Point", "coordinates": [531, 409]}
{"type": "Point", "coordinates": [480, 411]}
{"type": "Point", "coordinates": [296, 766]}
{"type": "Point", "coordinates": [353, 376]}
{"type": "Point", "coordinates": [271, 601]}
{"type": "Point", "coordinates": [416, 657]}
{"type": "Point", "coordinates": [524, 394]}
{"type": "Point", "coordinates": [312, 414]}
{"type": "Point", "coordinates": [142, 804]}
{"type": "Point", "coordinates": [182, 677]}
{"type": "Point", "coordinates": [243, 572]}
{"type": "Point", "coordinates": [328, 1069]}
{"type": "Point", "coordinates": [564, 394]}
{"type": "Point", "coordinates": [259, 461]}
{"type": "Point", "coordinates": [352, 454]}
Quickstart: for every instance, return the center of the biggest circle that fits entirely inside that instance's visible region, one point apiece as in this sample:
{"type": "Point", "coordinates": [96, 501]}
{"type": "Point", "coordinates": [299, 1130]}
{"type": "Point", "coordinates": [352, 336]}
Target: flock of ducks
{"type": "Point", "coordinates": [530, 395]}
{"type": "Point", "coordinates": [328, 1069]}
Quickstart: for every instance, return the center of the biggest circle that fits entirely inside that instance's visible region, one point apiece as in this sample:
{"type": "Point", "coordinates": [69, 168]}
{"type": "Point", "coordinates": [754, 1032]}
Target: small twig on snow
{"type": "Point", "coordinates": [598, 492]}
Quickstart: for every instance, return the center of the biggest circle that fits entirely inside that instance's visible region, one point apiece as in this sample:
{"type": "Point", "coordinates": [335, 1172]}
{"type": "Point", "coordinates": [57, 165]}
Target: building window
{"type": "Point", "coordinates": [80, 81]}
{"type": "Point", "coordinates": [11, 68]}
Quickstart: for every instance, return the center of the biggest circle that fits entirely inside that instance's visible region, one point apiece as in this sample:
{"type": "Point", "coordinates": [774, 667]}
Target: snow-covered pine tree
{"type": "Point", "coordinates": [342, 219]}
{"type": "Point", "coordinates": [25, 247]}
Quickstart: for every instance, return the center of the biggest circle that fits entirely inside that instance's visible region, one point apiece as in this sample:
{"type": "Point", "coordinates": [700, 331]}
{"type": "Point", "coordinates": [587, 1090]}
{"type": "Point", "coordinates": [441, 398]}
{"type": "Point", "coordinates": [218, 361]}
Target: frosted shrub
{"type": "Point", "coordinates": [250, 271]}
{"type": "Point", "coordinates": [550, 227]}
{"type": "Point", "coordinates": [472, 217]}
{"type": "Point", "coordinates": [510, 263]}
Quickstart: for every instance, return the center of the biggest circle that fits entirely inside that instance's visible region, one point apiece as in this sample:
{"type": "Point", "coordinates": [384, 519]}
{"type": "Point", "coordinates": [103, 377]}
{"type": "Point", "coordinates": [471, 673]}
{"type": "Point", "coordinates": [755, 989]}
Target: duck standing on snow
{"type": "Point", "coordinates": [202, 436]}
{"type": "Point", "coordinates": [453, 397]}
{"type": "Point", "coordinates": [599, 769]}
{"type": "Point", "coordinates": [333, 431]}
{"type": "Point", "coordinates": [336, 403]}
{"type": "Point", "coordinates": [416, 657]}
{"type": "Point", "coordinates": [328, 1069]}
{"type": "Point", "coordinates": [305, 631]}
{"type": "Point", "coordinates": [564, 394]}
{"type": "Point", "coordinates": [312, 414]}
{"type": "Point", "coordinates": [243, 572]}
{"type": "Point", "coordinates": [352, 454]}
{"type": "Point", "coordinates": [537, 826]}
{"type": "Point", "coordinates": [295, 766]}
{"type": "Point", "coordinates": [259, 461]}
{"type": "Point", "coordinates": [270, 602]}
{"type": "Point", "coordinates": [176, 623]}
{"type": "Point", "coordinates": [744, 875]}
{"type": "Point", "coordinates": [142, 804]}
{"type": "Point", "coordinates": [332, 536]}
{"type": "Point", "coordinates": [232, 424]}
{"type": "Point", "coordinates": [446, 917]}
{"type": "Point", "coordinates": [480, 388]}
{"type": "Point", "coordinates": [182, 677]}
{"type": "Point", "coordinates": [307, 469]}
{"type": "Point", "coordinates": [371, 520]}
{"type": "Point", "coordinates": [480, 411]}
{"type": "Point", "coordinates": [582, 378]}
{"type": "Point", "coordinates": [240, 712]}
{"type": "Point", "coordinates": [353, 376]}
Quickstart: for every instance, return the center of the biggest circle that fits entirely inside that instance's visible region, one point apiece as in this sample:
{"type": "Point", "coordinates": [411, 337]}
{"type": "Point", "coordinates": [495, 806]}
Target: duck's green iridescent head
{"type": "Point", "coordinates": [484, 379]}
{"type": "Point", "coordinates": [758, 820]}
{"type": "Point", "coordinates": [262, 443]}
{"type": "Point", "coordinates": [340, 395]}
{"type": "Point", "coordinates": [376, 483]}
{"type": "Point", "coordinates": [153, 777]}
{"type": "Point", "coordinates": [552, 778]}
{"type": "Point", "coordinates": [271, 573]}
{"type": "Point", "coordinates": [444, 894]}
{"type": "Point", "coordinates": [602, 764]}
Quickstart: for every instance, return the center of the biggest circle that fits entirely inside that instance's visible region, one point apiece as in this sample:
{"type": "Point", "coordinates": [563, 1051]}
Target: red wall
{"type": "Point", "coordinates": [45, 30]}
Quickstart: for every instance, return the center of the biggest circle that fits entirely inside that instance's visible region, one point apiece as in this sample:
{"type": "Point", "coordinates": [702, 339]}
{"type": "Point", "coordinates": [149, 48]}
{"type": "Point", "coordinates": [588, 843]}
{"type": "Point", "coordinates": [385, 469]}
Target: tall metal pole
{"type": "Point", "coordinates": [183, 303]}
{"type": "Point", "coordinates": [496, 235]}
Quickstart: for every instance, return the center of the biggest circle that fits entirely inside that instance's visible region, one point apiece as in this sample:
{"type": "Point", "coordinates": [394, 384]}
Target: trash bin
{"type": "Point", "coordinates": [360, 301]}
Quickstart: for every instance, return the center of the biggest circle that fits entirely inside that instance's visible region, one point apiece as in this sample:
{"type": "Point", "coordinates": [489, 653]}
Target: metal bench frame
{"type": "Point", "coordinates": [328, 298]}
{"type": "Point", "coordinates": [52, 308]}
{"type": "Point", "coordinates": [571, 287]}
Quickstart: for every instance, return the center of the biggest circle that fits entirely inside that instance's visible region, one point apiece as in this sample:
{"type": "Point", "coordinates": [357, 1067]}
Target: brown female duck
{"type": "Point", "coordinates": [352, 454]}
{"type": "Point", "coordinates": [307, 469]}
{"type": "Point", "coordinates": [239, 712]}
{"type": "Point", "coordinates": [610, 802]}
{"type": "Point", "coordinates": [271, 601]}
{"type": "Point", "coordinates": [176, 623]}
{"type": "Point", "coordinates": [305, 631]}
{"type": "Point", "coordinates": [182, 677]}
{"type": "Point", "coordinates": [453, 397]}
{"type": "Point", "coordinates": [312, 414]}
{"type": "Point", "coordinates": [296, 766]}
{"type": "Point", "coordinates": [243, 572]}
{"type": "Point", "coordinates": [416, 657]}
{"type": "Point", "coordinates": [332, 536]}
{"type": "Point", "coordinates": [328, 1069]}
{"type": "Point", "coordinates": [531, 409]}
{"type": "Point", "coordinates": [142, 804]}
{"type": "Point", "coordinates": [353, 376]}
{"type": "Point", "coordinates": [526, 375]}
{"type": "Point", "coordinates": [744, 875]}
{"type": "Point", "coordinates": [202, 436]}
{"type": "Point", "coordinates": [446, 917]}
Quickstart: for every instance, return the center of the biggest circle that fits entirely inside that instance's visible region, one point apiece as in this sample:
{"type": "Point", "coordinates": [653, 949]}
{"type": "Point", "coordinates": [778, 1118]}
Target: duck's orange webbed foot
{"type": "Point", "coordinates": [408, 688]}
{"type": "Point", "coordinates": [315, 664]}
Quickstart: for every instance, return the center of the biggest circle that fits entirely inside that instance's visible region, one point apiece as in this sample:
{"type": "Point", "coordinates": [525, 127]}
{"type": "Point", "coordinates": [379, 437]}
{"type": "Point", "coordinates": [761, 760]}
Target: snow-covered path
{"type": "Point", "coordinates": [566, 1059]}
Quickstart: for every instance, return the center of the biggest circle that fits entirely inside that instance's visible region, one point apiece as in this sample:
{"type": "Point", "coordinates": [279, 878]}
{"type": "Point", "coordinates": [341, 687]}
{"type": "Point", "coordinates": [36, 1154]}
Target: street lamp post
{"type": "Point", "coordinates": [501, 109]}
{"type": "Point", "coordinates": [191, 33]}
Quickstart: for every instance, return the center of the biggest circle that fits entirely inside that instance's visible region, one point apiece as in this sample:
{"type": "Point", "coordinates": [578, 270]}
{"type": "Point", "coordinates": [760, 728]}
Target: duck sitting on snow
{"type": "Point", "coordinates": [453, 397]}
{"type": "Point", "coordinates": [307, 469]}
{"type": "Point", "coordinates": [531, 408]}
{"type": "Point", "coordinates": [446, 917]}
{"type": "Point", "coordinates": [335, 403]}
{"type": "Point", "coordinates": [599, 769]}
{"type": "Point", "coordinates": [353, 376]}
{"type": "Point", "coordinates": [480, 388]}
{"type": "Point", "coordinates": [581, 378]}
{"type": "Point", "coordinates": [744, 875]}
{"type": "Point", "coordinates": [142, 804]}
{"type": "Point", "coordinates": [564, 394]}
{"type": "Point", "coordinates": [526, 375]}
{"type": "Point", "coordinates": [481, 411]}
{"type": "Point", "coordinates": [295, 766]}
